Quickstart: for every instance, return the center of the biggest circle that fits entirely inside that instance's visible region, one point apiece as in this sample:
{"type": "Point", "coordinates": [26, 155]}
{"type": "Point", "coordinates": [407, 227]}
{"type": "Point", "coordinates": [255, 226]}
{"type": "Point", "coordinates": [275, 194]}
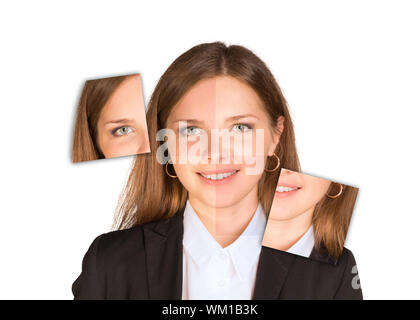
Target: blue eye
{"type": "Point", "coordinates": [122, 131]}
{"type": "Point", "coordinates": [190, 131]}
{"type": "Point", "coordinates": [241, 127]}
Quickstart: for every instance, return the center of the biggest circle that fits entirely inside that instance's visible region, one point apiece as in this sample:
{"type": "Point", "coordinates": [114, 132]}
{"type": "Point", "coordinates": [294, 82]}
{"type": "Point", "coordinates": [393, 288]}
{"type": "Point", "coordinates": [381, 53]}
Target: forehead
{"type": "Point", "coordinates": [125, 101]}
{"type": "Point", "coordinates": [218, 97]}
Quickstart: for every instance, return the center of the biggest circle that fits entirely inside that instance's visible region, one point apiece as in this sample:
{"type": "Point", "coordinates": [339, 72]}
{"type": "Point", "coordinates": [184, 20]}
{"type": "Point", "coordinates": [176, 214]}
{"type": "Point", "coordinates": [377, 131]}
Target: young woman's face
{"type": "Point", "coordinates": [296, 194]}
{"type": "Point", "coordinates": [121, 128]}
{"type": "Point", "coordinates": [227, 105]}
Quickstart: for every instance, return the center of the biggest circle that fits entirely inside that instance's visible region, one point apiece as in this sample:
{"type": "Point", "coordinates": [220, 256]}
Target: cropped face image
{"type": "Point", "coordinates": [111, 120]}
{"type": "Point", "coordinates": [121, 128]}
{"type": "Point", "coordinates": [224, 104]}
{"type": "Point", "coordinates": [296, 195]}
{"type": "Point", "coordinates": [309, 215]}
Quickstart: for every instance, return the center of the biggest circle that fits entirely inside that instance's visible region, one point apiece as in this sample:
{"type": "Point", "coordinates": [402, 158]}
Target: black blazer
{"type": "Point", "coordinates": [145, 262]}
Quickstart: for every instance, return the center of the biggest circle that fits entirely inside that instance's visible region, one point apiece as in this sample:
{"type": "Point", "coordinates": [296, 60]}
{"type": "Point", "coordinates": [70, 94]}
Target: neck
{"type": "Point", "coordinates": [227, 223]}
{"type": "Point", "coordinates": [283, 234]}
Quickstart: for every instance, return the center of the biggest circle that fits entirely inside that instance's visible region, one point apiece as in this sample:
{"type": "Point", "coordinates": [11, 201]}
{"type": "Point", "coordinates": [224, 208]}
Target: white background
{"type": "Point", "coordinates": [349, 70]}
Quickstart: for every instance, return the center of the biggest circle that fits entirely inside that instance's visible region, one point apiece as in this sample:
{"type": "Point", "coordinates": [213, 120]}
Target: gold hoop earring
{"type": "Point", "coordinates": [277, 166]}
{"type": "Point", "coordinates": [166, 169]}
{"type": "Point", "coordinates": [338, 194]}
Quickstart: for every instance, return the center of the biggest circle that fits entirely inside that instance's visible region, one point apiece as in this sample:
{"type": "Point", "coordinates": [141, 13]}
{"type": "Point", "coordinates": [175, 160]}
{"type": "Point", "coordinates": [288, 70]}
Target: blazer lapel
{"type": "Point", "coordinates": [273, 267]}
{"type": "Point", "coordinates": [163, 245]}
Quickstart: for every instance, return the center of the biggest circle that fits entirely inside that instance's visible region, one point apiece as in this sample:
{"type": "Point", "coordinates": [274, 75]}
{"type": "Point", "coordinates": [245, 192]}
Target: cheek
{"type": "Point", "coordinates": [284, 209]}
{"type": "Point", "coordinates": [268, 140]}
{"type": "Point", "coordinates": [258, 142]}
{"type": "Point", "coordinates": [121, 146]}
{"type": "Point", "coordinates": [185, 175]}
{"type": "Point", "coordinates": [185, 151]}
{"type": "Point", "coordinates": [251, 151]}
{"type": "Point", "coordinates": [144, 146]}
{"type": "Point", "coordinates": [289, 208]}
{"type": "Point", "coordinates": [249, 182]}
{"type": "Point", "coordinates": [306, 199]}
{"type": "Point", "coordinates": [315, 190]}
{"type": "Point", "coordinates": [142, 141]}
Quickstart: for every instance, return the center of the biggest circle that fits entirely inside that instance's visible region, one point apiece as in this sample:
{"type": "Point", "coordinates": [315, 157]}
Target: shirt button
{"type": "Point", "coordinates": [221, 283]}
{"type": "Point", "coordinates": [222, 256]}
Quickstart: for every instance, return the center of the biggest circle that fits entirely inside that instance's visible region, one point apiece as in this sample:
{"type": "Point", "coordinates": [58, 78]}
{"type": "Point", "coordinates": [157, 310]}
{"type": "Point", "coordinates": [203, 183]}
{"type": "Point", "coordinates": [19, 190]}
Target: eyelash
{"type": "Point", "coordinates": [183, 131]}
{"type": "Point", "coordinates": [249, 126]}
{"type": "Point", "coordinates": [114, 132]}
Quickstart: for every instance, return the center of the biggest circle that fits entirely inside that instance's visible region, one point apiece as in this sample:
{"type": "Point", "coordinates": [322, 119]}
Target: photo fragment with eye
{"type": "Point", "coordinates": [110, 119]}
{"type": "Point", "coordinates": [310, 216]}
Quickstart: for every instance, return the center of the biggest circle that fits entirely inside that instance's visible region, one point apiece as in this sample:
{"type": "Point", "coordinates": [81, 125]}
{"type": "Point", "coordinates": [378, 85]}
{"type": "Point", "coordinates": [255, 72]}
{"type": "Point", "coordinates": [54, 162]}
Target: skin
{"type": "Point", "coordinates": [122, 126]}
{"type": "Point", "coordinates": [225, 209]}
{"type": "Point", "coordinates": [290, 217]}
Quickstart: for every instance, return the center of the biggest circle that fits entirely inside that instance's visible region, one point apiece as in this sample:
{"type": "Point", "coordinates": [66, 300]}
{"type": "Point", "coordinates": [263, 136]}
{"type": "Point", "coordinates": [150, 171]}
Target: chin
{"type": "Point", "coordinates": [279, 213]}
{"type": "Point", "coordinates": [220, 200]}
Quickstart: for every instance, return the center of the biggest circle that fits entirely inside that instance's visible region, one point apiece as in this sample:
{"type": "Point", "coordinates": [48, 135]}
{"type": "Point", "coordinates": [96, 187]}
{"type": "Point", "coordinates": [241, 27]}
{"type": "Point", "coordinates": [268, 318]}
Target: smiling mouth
{"type": "Point", "coordinates": [218, 176]}
{"type": "Point", "coordinates": [283, 189]}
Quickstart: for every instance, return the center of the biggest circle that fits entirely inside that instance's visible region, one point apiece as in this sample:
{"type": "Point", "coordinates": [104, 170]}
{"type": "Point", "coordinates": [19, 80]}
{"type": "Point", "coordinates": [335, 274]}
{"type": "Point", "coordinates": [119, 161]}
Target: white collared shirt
{"type": "Point", "coordinates": [212, 272]}
{"type": "Point", "coordinates": [304, 246]}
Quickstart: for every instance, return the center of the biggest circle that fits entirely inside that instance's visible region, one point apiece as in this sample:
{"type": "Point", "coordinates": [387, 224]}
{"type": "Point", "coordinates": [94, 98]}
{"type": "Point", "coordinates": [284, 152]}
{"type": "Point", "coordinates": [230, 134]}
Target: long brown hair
{"type": "Point", "coordinates": [95, 95]}
{"type": "Point", "coordinates": [150, 194]}
{"type": "Point", "coordinates": [331, 219]}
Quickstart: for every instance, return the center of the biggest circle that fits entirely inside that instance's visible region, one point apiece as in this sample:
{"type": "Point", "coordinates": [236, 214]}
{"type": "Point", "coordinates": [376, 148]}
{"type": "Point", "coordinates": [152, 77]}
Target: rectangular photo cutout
{"type": "Point", "coordinates": [309, 216]}
{"type": "Point", "coordinates": [110, 119]}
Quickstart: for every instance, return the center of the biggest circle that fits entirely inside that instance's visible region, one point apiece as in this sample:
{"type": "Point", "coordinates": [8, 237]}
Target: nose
{"type": "Point", "coordinates": [215, 156]}
{"type": "Point", "coordinates": [219, 150]}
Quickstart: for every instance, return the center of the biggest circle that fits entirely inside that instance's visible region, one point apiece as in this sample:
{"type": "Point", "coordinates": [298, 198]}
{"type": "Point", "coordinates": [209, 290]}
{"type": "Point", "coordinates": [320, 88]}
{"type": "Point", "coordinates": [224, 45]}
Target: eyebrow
{"type": "Point", "coordinates": [125, 120]}
{"type": "Point", "coordinates": [230, 119]}
{"type": "Point", "coordinates": [241, 116]}
{"type": "Point", "coordinates": [189, 121]}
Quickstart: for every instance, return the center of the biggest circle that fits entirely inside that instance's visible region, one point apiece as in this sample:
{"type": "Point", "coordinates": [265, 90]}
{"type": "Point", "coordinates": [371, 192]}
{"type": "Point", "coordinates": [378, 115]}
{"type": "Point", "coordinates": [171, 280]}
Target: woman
{"type": "Point", "coordinates": [110, 119]}
{"type": "Point", "coordinates": [193, 230]}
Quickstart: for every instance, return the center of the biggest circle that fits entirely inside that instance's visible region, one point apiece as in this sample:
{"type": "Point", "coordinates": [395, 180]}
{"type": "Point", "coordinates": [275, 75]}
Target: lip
{"type": "Point", "coordinates": [217, 182]}
{"type": "Point", "coordinates": [285, 184]}
{"type": "Point", "coordinates": [282, 195]}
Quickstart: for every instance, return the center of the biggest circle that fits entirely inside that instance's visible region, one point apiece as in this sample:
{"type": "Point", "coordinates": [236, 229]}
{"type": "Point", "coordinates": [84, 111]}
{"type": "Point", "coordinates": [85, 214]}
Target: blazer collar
{"type": "Point", "coordinates": [272, 271]}
{"type": "Point", "coordinates": [163, 246]}
{"type": "Point", "coordinates": [164, 262]}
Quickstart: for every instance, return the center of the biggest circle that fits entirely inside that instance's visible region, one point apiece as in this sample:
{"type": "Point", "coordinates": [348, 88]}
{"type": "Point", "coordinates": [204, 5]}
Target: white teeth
{"type": "Point", "coordinates": [285, 189]}
{"type": "Point", "coordinates": [218, 176]}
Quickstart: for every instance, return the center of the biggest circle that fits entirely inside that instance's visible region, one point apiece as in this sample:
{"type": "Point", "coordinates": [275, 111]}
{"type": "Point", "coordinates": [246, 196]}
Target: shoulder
{"type": "Point", "coordinates": [120, 238]}
{"type": "Point", "coordinates": [125, 242]}
{"type": "Point", "coordinates": [348, 264]}
{"type": "Point", "coordinates": [347, 257]}
{"type": "Point", "coordinates": [316, 279]}
{"type": "Point", "coordinates": [349, 287]}
{"type": "Point", "coordinates": [116, 259]}
{"type": "Point", "coordinates": [120, 241]}
{"type": "Point", "coordinates": [322, 255]}
{"type": "Point", "coordinates": [326, 267]}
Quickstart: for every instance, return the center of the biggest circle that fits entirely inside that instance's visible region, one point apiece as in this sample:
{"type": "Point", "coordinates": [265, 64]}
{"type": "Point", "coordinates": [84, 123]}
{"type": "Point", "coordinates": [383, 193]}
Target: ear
{"type": "Point", "coordinates": [276, 134]}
